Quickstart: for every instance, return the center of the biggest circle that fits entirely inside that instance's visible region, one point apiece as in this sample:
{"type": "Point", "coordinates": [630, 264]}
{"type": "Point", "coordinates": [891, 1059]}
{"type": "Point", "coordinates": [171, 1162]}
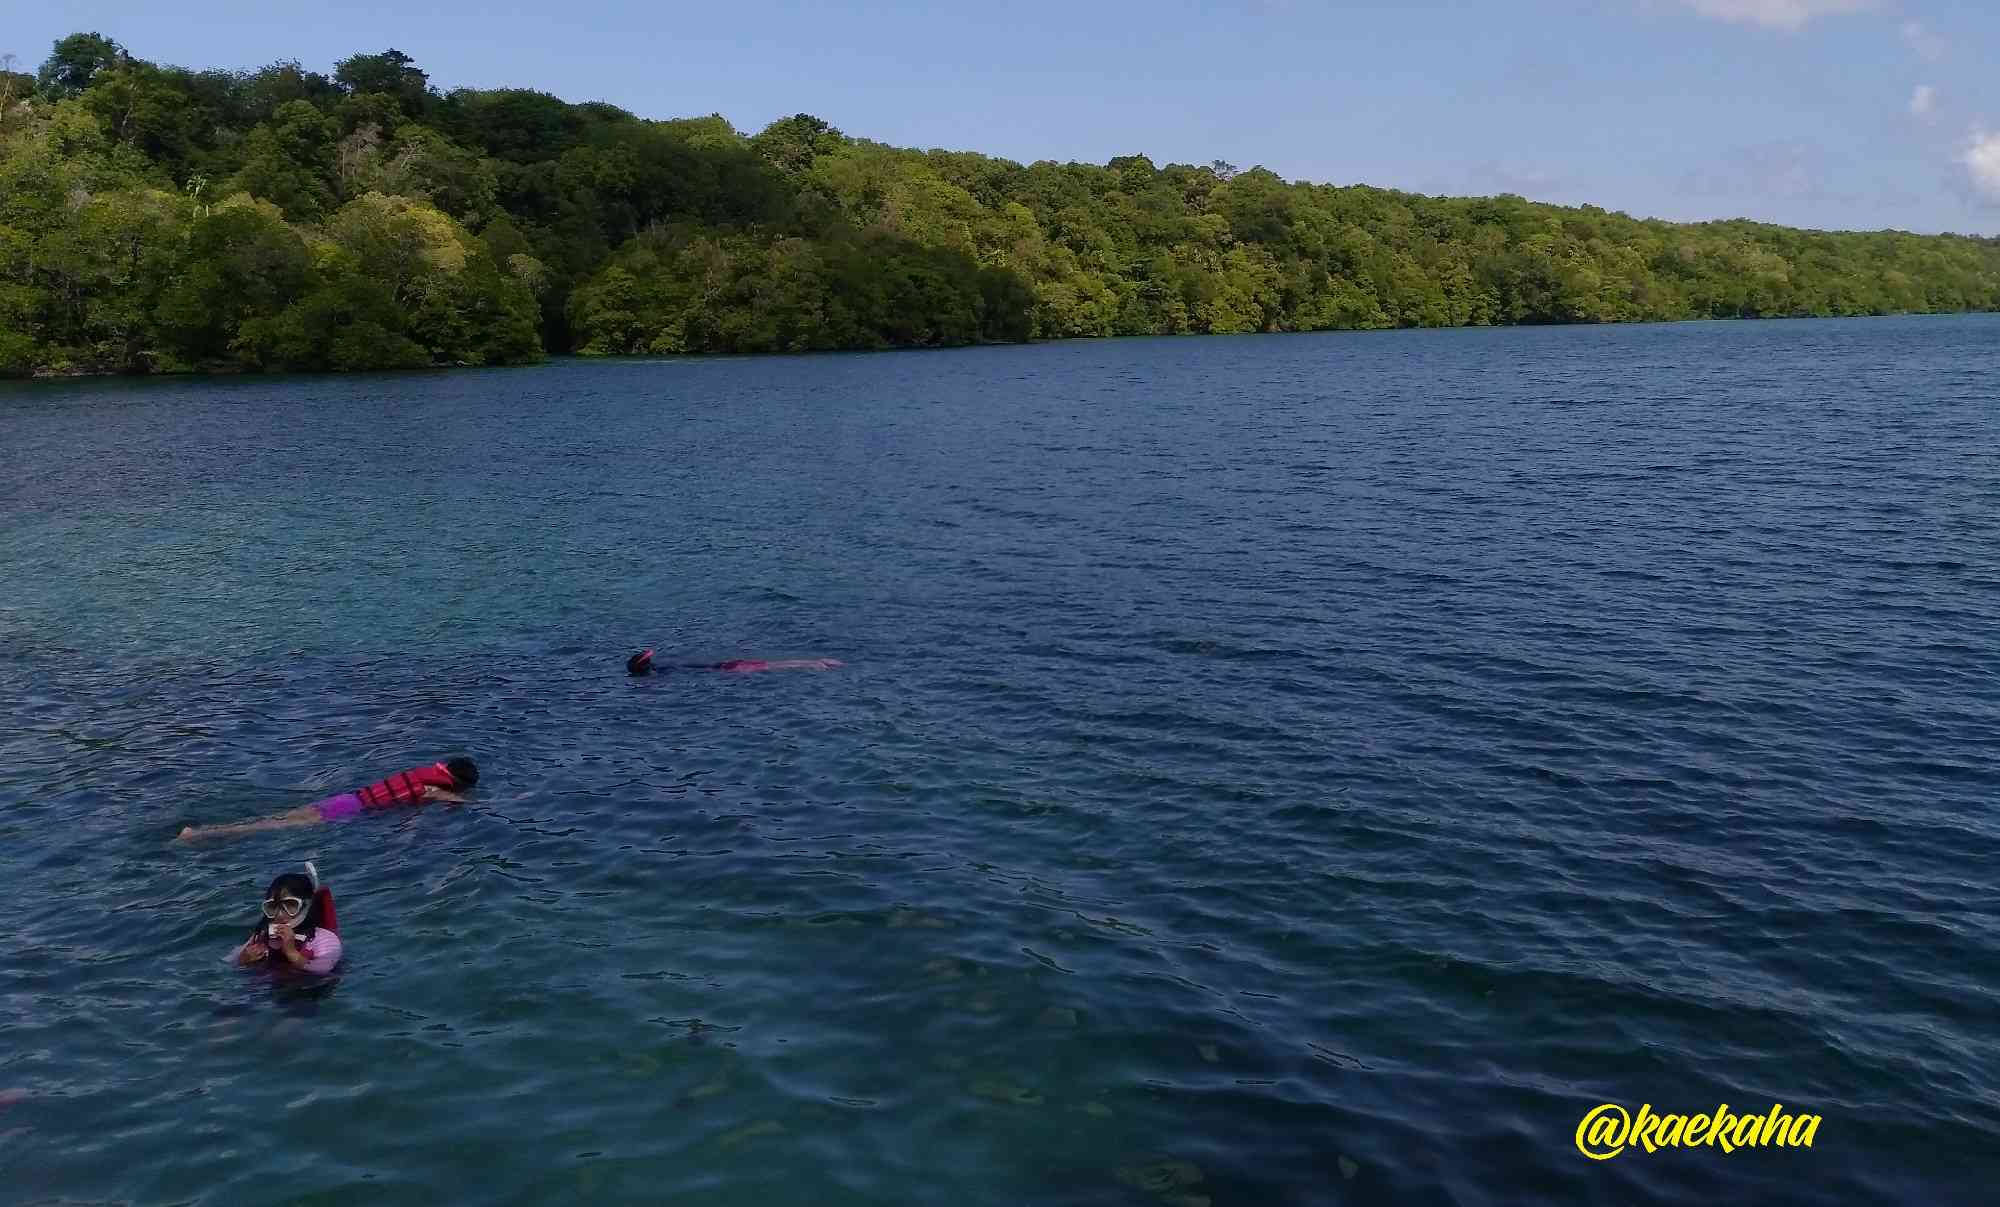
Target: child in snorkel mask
{"type": "Point", "coordinates": [297, 928]}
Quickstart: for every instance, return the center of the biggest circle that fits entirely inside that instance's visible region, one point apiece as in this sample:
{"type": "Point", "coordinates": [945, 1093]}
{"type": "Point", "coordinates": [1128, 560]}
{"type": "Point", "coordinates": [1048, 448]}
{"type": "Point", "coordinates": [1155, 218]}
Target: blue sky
{"type": "Point", "coordinates": [1822, 113]}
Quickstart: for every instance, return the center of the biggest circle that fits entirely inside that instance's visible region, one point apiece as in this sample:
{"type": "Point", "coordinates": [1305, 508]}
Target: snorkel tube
{"type": "Point", "coordinates": [322, 900]}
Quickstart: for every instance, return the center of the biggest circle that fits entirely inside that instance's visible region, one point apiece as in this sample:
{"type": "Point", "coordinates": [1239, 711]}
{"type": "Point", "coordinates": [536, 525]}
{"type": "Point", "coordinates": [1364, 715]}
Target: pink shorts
{"type": "Point", "coordinates": [333, 808]}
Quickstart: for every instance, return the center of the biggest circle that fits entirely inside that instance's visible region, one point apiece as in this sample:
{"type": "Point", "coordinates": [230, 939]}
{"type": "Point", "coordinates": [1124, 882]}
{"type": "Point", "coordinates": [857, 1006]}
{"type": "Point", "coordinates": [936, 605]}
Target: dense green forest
{"type": "Point", "coordinates": [158, 219]}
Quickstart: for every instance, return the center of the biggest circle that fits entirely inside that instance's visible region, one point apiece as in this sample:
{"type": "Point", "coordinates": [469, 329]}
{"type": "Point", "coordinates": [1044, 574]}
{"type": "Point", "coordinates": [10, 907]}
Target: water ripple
{"type": "Point", "coordinates": [1276, 770]}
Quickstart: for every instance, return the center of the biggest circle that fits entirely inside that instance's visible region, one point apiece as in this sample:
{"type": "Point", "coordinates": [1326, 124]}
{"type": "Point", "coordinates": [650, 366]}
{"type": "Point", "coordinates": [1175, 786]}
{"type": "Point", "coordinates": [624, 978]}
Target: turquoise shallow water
{"type": "Point", "coordinates": [1266, 770]}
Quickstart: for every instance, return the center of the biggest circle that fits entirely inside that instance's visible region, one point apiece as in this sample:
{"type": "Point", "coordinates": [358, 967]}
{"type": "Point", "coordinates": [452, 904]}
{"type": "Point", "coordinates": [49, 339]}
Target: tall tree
{"type": "Point", "coordinates": [391, 73]}
{"type": "Point", "coordinates": [75, 62]}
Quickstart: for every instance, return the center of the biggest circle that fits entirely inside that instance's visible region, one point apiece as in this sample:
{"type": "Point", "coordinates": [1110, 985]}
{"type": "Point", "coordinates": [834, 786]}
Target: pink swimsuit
{"type": "Point", "coordinates": [333, 808]}
{"type": "Point", "coordinates": [322, 952]}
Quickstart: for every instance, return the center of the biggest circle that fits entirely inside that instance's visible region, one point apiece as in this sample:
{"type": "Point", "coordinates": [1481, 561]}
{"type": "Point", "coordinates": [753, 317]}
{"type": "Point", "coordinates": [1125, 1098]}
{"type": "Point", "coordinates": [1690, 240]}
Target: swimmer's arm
{"type": "Point", "coordinates": [322, 953]}
{"type": "Point", "coordinates": [253, 951]}
{"type": "Point", "coordinates": [433, 792]}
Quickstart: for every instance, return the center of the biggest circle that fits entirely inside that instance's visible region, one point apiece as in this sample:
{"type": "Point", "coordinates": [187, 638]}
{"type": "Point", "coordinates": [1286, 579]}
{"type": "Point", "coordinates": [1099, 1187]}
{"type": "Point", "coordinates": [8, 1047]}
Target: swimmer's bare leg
{"type": "Point", "coordinates": [788, 664]}
{"type": "Point", "coordinates": [304, 815]}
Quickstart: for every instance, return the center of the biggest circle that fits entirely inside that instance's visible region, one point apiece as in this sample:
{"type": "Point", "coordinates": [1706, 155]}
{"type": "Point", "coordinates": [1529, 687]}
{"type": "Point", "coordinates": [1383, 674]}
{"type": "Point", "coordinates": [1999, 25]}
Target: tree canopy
{"type": "Point", "coordinates": [154, 218]}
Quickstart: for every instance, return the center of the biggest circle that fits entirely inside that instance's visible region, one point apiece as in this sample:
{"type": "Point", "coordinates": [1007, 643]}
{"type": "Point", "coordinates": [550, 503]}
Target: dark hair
{"type": "Point", "coordinates": [299, 883]}
{"type": "Point", "coordinates": [640, 663]}
{"type": "Point", "coordinates": [464, 772]}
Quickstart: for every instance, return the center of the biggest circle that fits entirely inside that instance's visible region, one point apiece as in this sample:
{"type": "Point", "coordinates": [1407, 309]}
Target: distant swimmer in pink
{"type": "Point", "coordinates": [642, 663]}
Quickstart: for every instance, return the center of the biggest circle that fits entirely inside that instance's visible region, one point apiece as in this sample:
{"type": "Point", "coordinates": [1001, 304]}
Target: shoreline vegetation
{"type": "Point", "coordinates": [155, 219]}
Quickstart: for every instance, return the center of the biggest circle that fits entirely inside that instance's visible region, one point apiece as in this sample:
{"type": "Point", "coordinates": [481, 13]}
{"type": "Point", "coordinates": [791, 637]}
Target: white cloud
{"type": "Point", "coordinates": [1920, 39]}
{"type": "Point", "coordinates": [1923, 100]}
{"type": "Point", "coordinates": [1777, 14]}
{"type": "Point", "coordinates": [1982, 162]}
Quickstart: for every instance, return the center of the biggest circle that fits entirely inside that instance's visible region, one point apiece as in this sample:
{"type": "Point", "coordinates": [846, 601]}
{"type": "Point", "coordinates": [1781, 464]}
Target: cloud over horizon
{"type": "Point", "coordinates": [1918, 37]}
{"type": "Point", "coordinates": [1981, 159]}
{"type": "Point", "coordinates": [1777, 14]}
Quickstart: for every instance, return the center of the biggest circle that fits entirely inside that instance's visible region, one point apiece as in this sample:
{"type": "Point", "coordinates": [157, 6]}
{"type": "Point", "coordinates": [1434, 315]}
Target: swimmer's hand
{"type": "Point", "coordinates": [252, 952]}
{"type": "Point", "coordinates": [288, 945]}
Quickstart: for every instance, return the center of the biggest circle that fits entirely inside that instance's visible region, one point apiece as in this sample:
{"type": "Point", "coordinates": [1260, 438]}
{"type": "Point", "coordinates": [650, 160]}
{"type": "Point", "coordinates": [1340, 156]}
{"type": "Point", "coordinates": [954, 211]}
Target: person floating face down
{"type": "Point", "coordinates": [445, 780]}
{"type": "Point", "coordinates": [298, 929]}
{"type": "Point", "coordinates": [642, 663]}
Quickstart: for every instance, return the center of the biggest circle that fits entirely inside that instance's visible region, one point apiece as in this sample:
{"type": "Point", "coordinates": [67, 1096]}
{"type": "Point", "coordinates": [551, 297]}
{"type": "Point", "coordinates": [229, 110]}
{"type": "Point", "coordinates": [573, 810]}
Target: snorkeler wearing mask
{"type": "Point", "coordinates": [642, 663]}
{"type": "Point", "coordinates": [297, 928]}
{"type": "Point", "coordinates": [436, 781]}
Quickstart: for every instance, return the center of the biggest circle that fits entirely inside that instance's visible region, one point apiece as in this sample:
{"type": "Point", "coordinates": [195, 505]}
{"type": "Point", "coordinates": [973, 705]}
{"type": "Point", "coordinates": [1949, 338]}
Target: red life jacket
{"type": "Point", "coordinates": [327, 920]}
{"type": "Point", "coordinates": [405, 787]}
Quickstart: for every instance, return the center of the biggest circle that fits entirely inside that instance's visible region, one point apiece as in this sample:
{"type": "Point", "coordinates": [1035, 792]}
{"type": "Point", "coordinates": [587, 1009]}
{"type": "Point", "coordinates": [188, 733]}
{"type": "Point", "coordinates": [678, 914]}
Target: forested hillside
{"type": "Point", "coordinates": [154, 218]}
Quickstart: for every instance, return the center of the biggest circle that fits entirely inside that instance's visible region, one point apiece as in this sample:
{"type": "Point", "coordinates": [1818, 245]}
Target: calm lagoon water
{"type": "Point", "coordinates": [1268, 770]}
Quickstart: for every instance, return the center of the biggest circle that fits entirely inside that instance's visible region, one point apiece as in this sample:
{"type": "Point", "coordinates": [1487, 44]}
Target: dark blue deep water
{"type": "Point", "coordinates": [1267, 770]}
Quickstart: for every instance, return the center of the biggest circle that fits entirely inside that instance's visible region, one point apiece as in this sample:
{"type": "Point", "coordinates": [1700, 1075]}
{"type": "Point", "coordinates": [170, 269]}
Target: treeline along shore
{"type": "Point", "coordinates": [158, 219]}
